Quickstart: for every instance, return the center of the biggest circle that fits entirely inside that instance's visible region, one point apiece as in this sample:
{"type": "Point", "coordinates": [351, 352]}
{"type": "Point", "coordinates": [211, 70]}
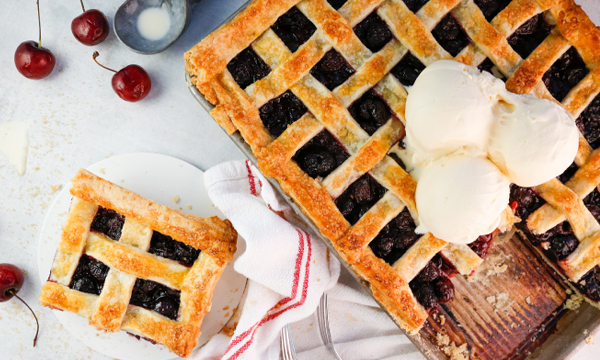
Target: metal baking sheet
{"type": "Point", "coordinates": [515, 306]}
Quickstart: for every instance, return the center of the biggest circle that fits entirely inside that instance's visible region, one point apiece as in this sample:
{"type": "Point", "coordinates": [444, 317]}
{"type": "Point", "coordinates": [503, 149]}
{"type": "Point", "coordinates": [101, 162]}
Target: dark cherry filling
{"type": "Point", "coordinates": [590, 284]}
{"type": "Point", "coordinates": [359, 198]}
{"type": "Point", "coordinates": [247, 68]}
{"type": "Point", "coordinates": [156, 297]}
{"type": "Point", "coordinates": [432, 286]}
{"type": "Point", "coordinates": [482, 245]}
{"type": "Point", "coordinates": [332, 70]}
{"type": "Point", "coordinates": [408, 69]}
{"type": "Point", "coordinates": [565, 73]}
{"type": "Point", "coordinates": [165, 246]}
{"type": "Point", "coordinates": [373, 32]}
{"type": "Point", "coordinates": [89, 276]}
{"type": "Point", "coordinates": [491, 8]}
{"type": "Point", "coordinates": [592, 202]}
{"type": "Point", "coordinates": [321, 155]}
{"type": "Point", "coordinates": [395, 238]}
{"type": "Point", "coordinates": [530, 35]}
{"type": "Point", "coordinates": [562, 245]}
{"type": "Point", "coordinates": [336, 4]}
{"type": "Point", "coordinates": [280, 112]}
{"type": "Point", "coordinates": [450, 35]}
{"type": "Point", "coordinates": [589, 123]}
{"type": "Point", "coordinates": [294, 28]}
{"type": "Point", "coordinates": [415, 5]}
{"type": "Point", "coordinates": [489, 66]}
{"type": "Point", "coordinates": [565, 176]}
{"type": "Point", "coordinates": [370, 111]}
{"type": "Point", "coordinates": [524, 201]}
{"type": "Point", "coordinates": [108, 222]}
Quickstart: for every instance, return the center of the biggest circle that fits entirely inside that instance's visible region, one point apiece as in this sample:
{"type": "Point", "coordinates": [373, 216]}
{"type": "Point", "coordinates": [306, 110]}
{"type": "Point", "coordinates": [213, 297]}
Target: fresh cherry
{"type": "Point", "coordinates": [32, 60]}
{"type": "Point", "coordinates": [91, 27]}
{"type": "Point", "coordinates": [131, 83]}
{"type": "Point", "coordinates": [11, 280]}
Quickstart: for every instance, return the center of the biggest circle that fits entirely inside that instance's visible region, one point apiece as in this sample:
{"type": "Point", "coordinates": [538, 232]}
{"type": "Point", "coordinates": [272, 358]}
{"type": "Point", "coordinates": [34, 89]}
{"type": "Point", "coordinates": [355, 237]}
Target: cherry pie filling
{"type": "Point", "coordinates": [408, 69]}
{"type": "Point", "coordinates": [370, 111]}
{"type": "Point", "coordinates": [282, 111]}
{"type": "Point", "coordinates": [294, 28]}
{"type": "Point", "coordinates": [359, 198]}
{"type": "Point", "coordinates": [332, 70]}
{"type": "Point", "coordinates": [321, 155]}
{"type": "Point", "coordinates": [530, 35]}
{"type": "Point", "coordinates": [90, 274]}
{"type": "Point", "coordinates": [565, 73]}
{"type": "Point", "coordinates": [589, 123]}
{"type": "Point", "coordinates": [491, 8]}
{"type": "Point", "coordinates": [108, 222]}
{"type": "Point", "coordinates": [450, 35]}
{"type": "Point", "coordinates": [373, 32]}
{"type": "Point", "coordinates": [247, 68]}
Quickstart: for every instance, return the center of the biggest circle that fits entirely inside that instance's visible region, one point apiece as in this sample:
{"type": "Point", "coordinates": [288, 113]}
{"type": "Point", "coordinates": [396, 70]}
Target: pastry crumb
{"type": "Point", "coordinates": [55, 188]}
{"type": "Point", "coordinates": [189, 207]}
{"type": "Point", "coordinates": [500, 301]}
{"type": "Point", "coordinates": [495, 264]}
{"type": "Point", "coordinates": [122, 180]}
{"type": "Point", "coordinates": [228, 331]}
{"type": "Point", "coordinates": [449, 348]}
{"type": "Point", "coordinates": [573, 302]}
{"type": "Point", "coordinates": [528, 300]}
{"type": "Point", "coordinates": [101, 171]}
{"type": "Point", "coordinates": [589, 340]}
{"type": "Point", "coordinates": [442, 320]}
{"type": "Point", "coordinates": [176, 199]}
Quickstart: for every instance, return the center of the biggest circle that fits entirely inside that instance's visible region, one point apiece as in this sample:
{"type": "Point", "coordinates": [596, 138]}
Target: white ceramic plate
{"type": "Point", "coordinates": [160, 178]}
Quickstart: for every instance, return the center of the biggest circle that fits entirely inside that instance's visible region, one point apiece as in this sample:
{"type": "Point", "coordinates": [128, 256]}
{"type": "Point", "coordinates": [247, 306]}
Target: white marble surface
{"type": "Point", "coordinates": [74, 120]}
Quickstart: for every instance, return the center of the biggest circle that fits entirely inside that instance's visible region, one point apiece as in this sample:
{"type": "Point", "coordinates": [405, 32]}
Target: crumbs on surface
{"type": "Point", "coordinates": [228, 331]}
{"type": "Point", "coordinates": [589, 340]}
{"type": "Point", "coordinates": [500, 301]}
{"type": "Point", "coordinates": [449, 348]}
{"type": "Point", "coordinates": [189, 207]}
{"type": "Point", "coordinates": [495, 264]}
{"type": "Point", "coordinates": [176, 199]}
{"type": "Point", "coordinates": [574, 301]}
{"type": "Point", "coordinates": [528, 300]}
{"type": "Point", "coordinates": [55, 188]}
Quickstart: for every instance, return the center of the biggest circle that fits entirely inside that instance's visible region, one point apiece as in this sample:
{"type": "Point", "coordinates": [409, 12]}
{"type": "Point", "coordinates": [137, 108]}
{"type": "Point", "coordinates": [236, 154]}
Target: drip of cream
{"type": "Point", "coordinates": [154, 23]}
{"type": "Point", "coordinates": [14, 144]}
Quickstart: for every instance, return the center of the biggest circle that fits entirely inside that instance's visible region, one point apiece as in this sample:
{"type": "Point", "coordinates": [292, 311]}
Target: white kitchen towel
{"type": "Point", "coordinates": [288, 272]}
{"type": "Point", "coordinates": [287, 268]}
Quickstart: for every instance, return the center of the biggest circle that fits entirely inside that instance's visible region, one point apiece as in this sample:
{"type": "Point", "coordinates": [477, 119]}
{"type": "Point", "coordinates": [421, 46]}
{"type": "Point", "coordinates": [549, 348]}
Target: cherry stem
{"type": "Point", "coordinates": [96, 54]}
{"type": "Point", "coordinates": [83, 7]}
{"type": "Point", "coordinates": [39, 26]}
{"type": "Point", "coordinates": [12, 292]}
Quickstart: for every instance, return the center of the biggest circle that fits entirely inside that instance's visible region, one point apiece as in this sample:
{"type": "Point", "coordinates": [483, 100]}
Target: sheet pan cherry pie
{"type": "Point", "coordinates": [317, 88]}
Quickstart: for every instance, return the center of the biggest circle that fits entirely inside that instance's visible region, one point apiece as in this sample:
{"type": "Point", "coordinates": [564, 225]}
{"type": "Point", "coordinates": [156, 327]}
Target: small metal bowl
{"type": "Point", "coordinates": [126, 23]}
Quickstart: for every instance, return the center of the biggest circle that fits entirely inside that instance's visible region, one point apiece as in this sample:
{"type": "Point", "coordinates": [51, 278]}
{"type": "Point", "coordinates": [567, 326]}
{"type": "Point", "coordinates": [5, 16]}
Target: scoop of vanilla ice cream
{"type": "Point", "coordinates": [532, 140]}
{"type": "Point", "coordinates": [460, 198]}
{"type": "Point", "coordinates": [449, 107]}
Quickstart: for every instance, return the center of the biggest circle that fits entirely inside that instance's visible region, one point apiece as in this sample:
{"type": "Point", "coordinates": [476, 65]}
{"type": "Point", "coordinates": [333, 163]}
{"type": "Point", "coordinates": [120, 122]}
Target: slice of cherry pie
{"type": "Point", "coordinates": [127, 263]}
{"type": "Point", "coordinates": [317, 88]}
